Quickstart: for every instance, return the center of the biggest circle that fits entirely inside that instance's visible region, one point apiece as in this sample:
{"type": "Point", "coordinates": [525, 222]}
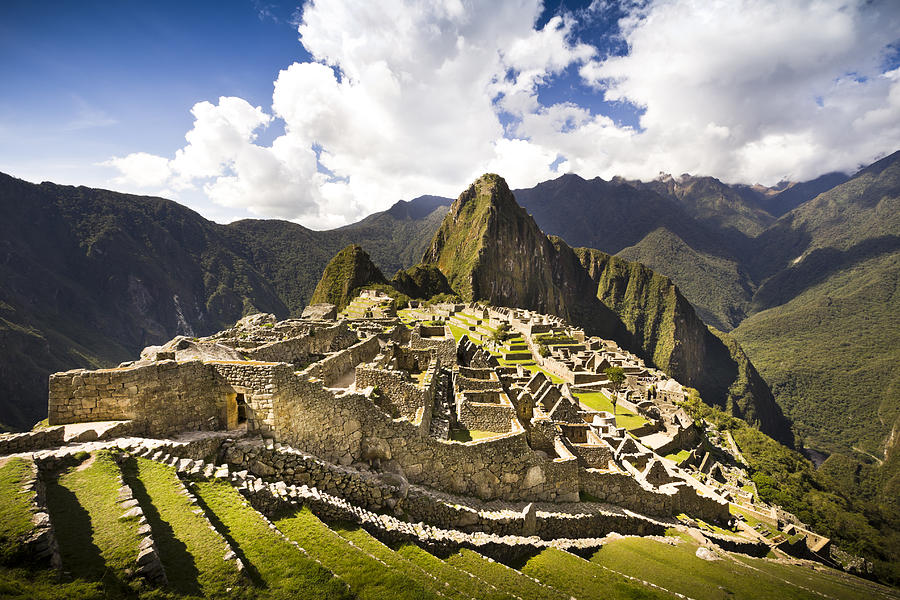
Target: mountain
{"type": "Point", "coordinates": [421, 281]}
{"type": "Point", "coordinates": [824, 324]}
{"type": "Point", "coordinates": [778, 201]}
{"type": "Point", "coordinates": [809, 291]}
{"type": "Point", "coordinates": [645, 223]}
{"type": "Point", "coordinates": [712, 202]}
{"type": "Point", "coordinates": [90, 276]}
{"type": "Point", "coordinates": [292, 257]}
{"type": "Point", "coordinates": [491, 249]}
{"type": "Point", "coordinates": [350, 269]}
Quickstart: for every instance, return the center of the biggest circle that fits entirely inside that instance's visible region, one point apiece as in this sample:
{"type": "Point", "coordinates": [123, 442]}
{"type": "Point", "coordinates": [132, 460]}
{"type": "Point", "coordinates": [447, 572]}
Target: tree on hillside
{"type": "Point", "coordinates": [616, 376]}
{"type": "Point", "coordinates": [502, 333]}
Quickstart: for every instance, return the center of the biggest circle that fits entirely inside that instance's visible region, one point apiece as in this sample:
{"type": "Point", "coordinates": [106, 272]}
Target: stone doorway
{"type": "Point", "coordinates": [237, 411]}
{"type": "Point", "coordinates": [241, 401]}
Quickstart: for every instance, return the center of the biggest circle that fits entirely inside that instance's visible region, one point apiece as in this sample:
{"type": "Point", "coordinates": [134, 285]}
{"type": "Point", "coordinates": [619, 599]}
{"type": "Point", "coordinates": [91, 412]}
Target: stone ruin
{"type": "Point", "coordinates": [373, 393]}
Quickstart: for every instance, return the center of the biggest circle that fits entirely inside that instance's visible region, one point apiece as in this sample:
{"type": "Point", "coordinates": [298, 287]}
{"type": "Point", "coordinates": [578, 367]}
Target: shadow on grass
{"type": "Point", "coordinates": [181, 568]}
{"type": "Point", "coordinates": [80, 555]}
{"type": "Point", "coordinates": [250, 569]}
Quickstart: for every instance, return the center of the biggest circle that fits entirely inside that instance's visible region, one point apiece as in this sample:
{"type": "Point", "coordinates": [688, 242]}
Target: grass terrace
{"type": "Point", "coordinates": [395, 561]}
{"type": "Point", "coordinates": [678, 569]}
{"type": "Point", "coordinates": [192, 553]}
{"type": "Point", "coordinates": [762, 527]}
{"type": "Point", "coordinates": [583, 579]}
{"type": "Point", "coordinates": [15, 508]}
{"type": "Point", "coordinates": [273, 563]}
{"type": "Point", "coordinates": [678, 456]}
{"type": "Point", "coordinates": [600, 401]}
{"type": "Point", "coordinates": [503, 578]}
{"type": "Point", "coordinates": [367, 576]}
{"type": "Point", "coordinates": [460, 583]}
{"type": "Point", "coordinates": [95, 542]}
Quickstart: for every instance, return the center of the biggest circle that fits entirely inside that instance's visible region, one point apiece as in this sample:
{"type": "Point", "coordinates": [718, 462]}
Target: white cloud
{"type": "Point", "coordinates": [752, 90]}
{"type": "Point", "coordinates": [140, 169]}
{"type": "Point", "coordinates": [405, 98]}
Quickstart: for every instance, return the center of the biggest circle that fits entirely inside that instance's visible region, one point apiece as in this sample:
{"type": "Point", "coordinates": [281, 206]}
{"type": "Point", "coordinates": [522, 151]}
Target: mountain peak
{"type": "Point", "coordinates": [350, 268]}
{"type": "Point", "coordinates": [489, 190]}
{"type": "Point", "coordinates": [417, 208]}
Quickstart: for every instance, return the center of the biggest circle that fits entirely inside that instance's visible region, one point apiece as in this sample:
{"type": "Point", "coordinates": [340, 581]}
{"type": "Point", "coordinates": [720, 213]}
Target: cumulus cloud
{"type": "Point", "coordinates": [406, 98]}
{"type": "Point", "coordinates": [753, 90]}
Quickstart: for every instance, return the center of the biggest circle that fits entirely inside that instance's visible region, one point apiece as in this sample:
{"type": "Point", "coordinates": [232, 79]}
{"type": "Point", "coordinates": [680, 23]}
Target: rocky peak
{"type": "Point", "coordinates": [350, 269]}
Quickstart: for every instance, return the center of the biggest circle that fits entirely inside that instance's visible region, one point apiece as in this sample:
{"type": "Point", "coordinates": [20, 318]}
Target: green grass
{"type": "Point", "coordinates": [46, 584]}
{"type": "Point", "coordinates": [600, 401]}
{"type": "Point", "coordinates": [367, 576]}
{"type": "Point", "coordinates": [678, 456]}
{"type": "Point", "coordinates": [677, 568]}
{"type": "Point", "coordinates": [821, 579]}
{"type": "Point", "coordinates": [272, 563]}
{"type": "Point", "coordinates": [582, 579]}
{"type": "Point", "coordinates": [15, 508]}
{"type": "Point", "coordinates": [469, 435]}
{"type": "Point", "coordinates": [94, 542]}
{"type": "Point", "coordinates": [502, 577]}
{"type": "Point", "coordinates": [457, 332]}
{"type": "Point", "coordinates": [753, 521]}
{"type": "Point", "coordinates": [193, 555]}
{"type": "Point", "coordinates": [400, 564]}
{"type": "Point", "coordinates": [459, 581]}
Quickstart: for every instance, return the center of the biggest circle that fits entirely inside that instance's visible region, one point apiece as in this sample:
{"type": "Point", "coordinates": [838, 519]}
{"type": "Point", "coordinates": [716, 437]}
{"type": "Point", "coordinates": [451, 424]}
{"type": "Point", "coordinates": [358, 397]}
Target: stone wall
{"type": "Point", "coordinates": [596, 456]}
{"type": "Point", "coordinates": [400, 397]}
{"type": "Point", "coordinates": [257, 381]}
{"type": "Point", "coordinates": [424, 338]}
{"type": "Point", "coordinates": [10, 443]}
{"type": "Point", "coordinates": [624, 490]}
{"type": "Point", "coordinates": [161, 398]}
{"type": "Point", "coordinates": [332, 368]}
{"type": "Point", "coordinates": [376, 492]}
{"type": "Point", "coordinates": [321, 340]}
{"type": "Point", "coordinates": [482, 416]}
{"type": "Point", "coordinates": [349, 428]}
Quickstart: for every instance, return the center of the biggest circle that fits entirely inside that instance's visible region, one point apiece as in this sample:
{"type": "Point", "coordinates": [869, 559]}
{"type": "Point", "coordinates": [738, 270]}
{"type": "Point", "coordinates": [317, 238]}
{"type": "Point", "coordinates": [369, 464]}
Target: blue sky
{"type": "Point", "coordinates": [420, 97]}
{"type": "Point", "coordinates": [84, 81]}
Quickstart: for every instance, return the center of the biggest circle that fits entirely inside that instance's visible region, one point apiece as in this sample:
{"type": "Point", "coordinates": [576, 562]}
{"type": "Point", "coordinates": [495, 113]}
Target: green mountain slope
{"type": "Point", "coordinates": [292, 257]}
{"type": "Point", "coordinates": [832, 356]}
{"type": "Point", "coordinates": [717, 286]}
{"type": "Point", "coordinates": [351, 268]}
{"type": "Point", "coordinates": [650, 223]}
{"type": "Point", "coordinates": [491, 249]}
{"type": "Point", "coordinates": [91, 276]}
